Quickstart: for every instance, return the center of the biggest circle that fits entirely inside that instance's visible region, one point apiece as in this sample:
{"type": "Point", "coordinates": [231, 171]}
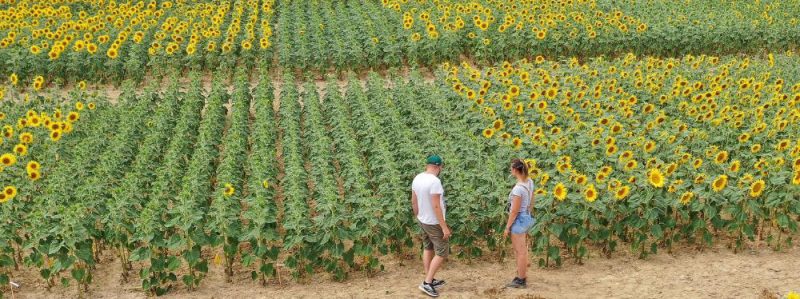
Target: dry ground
{"type": "Point", "coordinates": [714, 273]}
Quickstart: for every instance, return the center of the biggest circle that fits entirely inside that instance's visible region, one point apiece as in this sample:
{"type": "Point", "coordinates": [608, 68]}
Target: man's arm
{"type": "Point", "coordinates": [414, 205]}
{"type": "Point", "coordinates": [437, 210]}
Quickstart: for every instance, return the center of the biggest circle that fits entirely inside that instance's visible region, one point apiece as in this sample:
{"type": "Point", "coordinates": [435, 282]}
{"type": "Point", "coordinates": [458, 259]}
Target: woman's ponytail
{"type": "Point", "coordinates": [519, 165]}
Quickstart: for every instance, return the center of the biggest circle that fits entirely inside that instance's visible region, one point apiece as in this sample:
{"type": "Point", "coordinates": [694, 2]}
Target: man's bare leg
{"type": "Point", "coordinates": [436, 262]}
{"type": "Point", "coordinates": [427, 256]}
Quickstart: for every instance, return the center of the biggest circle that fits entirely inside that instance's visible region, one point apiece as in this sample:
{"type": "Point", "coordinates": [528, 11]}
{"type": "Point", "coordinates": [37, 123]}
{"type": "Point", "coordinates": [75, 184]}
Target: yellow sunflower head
{"type": "Point", "coordinates": [721, 157]}
{"type": "Point", "coordinates": [20, 150]}
{"type": "Point", "coordinates": [34, 175]}
{"type": "Point", "coordinates": [33, 166]}
{"type": "Point", "coordinates": [655, 178]}
{"type": "Point", "coordinates": [560, 192]}
{"type": "Point", "coordinates": [9, 192]}
{"type": "Point", "coordinates": [590, 194]}
{"type": "Point", "coordinates": [516, 143]}
{"type": "Point", "coordinates": [26, 138]}
{"type": "Point", "coordinates": [686, 197]}
{"type": "Point", "coordinates": [8, 159]}
{"type": "Point", "coordinates": [488, 133]}
{"type": "Point", "coordinates": [720, 183]}
{"type": "Point", "coordinates": [229, 190]}
{"type": "Point", "coordinates": [756, 188]}
{"type": "Point", "coordinates": [55, 135]}
{"type": "Point", "coordinates": [622, 192]}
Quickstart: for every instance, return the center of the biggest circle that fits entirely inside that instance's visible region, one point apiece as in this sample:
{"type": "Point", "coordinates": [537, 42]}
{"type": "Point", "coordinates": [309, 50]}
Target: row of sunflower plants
{"type": "Point", "coordinates": [130, 192]}
{"type": "Point", "coordinates": [296, 222]}
{"type": "Point", "coordinates": [225, 209]}
{"type": "Point", "coordinates": [386, 176]}
{"type": "Point", "coordinates": [13, 192]}
{"type": "Point", "coordinates": [261, 214]}
{"type": "Point", "coordinates": [381, 171]}
{"type": "Point", "coordinates": [112, 166]}
{"type": "Point", "coordinates": [187, 216]}
{"type": "Point", "coordinates": [383, 102]}
{"type": "Point", "coordinates": [151, 237]}
{"type": "Point", "coordinates": [116, 161]}
{"type": "Point", "coordinates": [406, 153]}
{"type": "Point", "coordinates": [354, 172]}
{"type": "Point", "coordinates": [329, 210]}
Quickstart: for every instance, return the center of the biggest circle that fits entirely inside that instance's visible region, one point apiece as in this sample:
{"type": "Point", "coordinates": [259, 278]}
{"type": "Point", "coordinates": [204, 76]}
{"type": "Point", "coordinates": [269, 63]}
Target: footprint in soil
{"type": "Point", "coordinates": [496, 292]}
{"type": "Point", "coordinates": [492, 292]}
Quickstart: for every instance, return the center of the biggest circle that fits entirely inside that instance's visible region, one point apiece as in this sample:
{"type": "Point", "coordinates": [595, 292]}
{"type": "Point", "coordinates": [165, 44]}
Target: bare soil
{"type": "Point", "coordinates": [713, 273]}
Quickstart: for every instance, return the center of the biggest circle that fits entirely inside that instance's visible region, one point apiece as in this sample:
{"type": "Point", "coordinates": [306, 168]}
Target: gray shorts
{"type": "Point", "coordinates": [433, 239]}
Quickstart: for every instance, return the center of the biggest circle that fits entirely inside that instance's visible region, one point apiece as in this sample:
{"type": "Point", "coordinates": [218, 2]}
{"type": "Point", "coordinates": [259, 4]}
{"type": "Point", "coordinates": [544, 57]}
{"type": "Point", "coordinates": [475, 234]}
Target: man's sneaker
{"type": "Point", "coordinates": [437, 283]}
{"type": "Point", "coordinates": [518, 283]}
{"type": "Point", "coordinates": [428, 289]}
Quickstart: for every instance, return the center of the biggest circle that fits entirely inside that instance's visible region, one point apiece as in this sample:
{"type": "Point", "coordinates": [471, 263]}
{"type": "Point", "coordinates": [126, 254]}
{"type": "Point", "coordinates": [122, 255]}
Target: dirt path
{"type": "Point", "coordinates": [715, 273]}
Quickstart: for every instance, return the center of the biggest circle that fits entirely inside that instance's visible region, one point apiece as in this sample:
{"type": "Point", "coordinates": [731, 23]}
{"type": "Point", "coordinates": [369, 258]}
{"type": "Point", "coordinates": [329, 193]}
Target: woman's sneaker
{"type": "Point", "coordinates": [428, 288]}
{"type": "Point", "coordinates": [437, 283]}
{"type": "Point", "coordinates": [518, 283]}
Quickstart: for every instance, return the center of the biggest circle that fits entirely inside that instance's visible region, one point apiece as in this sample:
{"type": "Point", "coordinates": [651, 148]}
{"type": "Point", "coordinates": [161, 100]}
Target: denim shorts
{"type": "Point", "coordinates": [522, 224]}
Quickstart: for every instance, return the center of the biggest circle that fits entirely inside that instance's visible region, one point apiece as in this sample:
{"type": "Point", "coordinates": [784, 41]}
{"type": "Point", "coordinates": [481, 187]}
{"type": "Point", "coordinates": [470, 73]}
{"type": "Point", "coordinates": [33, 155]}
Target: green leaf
{"type": "Point", "coordinates": [140, 254]}
{"type": "Point", "coordinates": [173, 263]}
{"type": "Point", "coordinates": [783, 220]}
{"type": "Point", "coordinates": [78, 274]}
{"type": "Point", "coordinates": [85, 253]}
{"type": "Point", "coordinates": [656, 231]}
{"type": "Point", "coordinates": [188, 280]}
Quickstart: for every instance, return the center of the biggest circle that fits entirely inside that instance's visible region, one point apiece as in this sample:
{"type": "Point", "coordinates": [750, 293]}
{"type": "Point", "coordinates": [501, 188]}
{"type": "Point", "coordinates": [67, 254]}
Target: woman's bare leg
{"type": "Point", "coordinates": [520, 244]}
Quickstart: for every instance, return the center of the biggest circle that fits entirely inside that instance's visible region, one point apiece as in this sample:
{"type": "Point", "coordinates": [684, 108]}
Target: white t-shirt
{"type": "Point", "coordinates": [425, 185]}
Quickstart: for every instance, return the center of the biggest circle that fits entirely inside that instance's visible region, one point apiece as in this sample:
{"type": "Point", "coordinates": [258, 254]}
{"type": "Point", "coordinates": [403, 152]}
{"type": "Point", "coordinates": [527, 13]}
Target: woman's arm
{"type": "Point", "coordinates": [530, 205]}
{"type": "Point", "coordinates": [516, 203]}
{"type": "Point", "coordinates": [533, 201]}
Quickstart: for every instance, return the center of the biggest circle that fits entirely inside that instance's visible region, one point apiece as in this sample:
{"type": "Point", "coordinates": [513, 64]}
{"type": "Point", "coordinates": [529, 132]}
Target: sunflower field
{"type": "Point", "coordinates": [496, 30]}
{"type": "Point", "coordinates": [109, 41]}
{"type": "Point", "coordinates": [648, 151]}
{"type": "Point", "coordinates": [280, 138]}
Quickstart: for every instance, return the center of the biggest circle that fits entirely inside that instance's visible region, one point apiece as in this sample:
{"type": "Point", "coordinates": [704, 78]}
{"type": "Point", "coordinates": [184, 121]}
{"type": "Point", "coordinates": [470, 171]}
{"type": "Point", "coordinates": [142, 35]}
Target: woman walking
{"type": "Point", "coordinates": [520, 204]}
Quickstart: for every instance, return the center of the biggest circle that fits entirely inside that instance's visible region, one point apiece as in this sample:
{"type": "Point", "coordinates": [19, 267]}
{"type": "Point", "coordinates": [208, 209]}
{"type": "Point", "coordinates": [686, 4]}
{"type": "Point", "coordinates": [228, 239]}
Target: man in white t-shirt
{"type": "Point", "coordinates": [427, 200]}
